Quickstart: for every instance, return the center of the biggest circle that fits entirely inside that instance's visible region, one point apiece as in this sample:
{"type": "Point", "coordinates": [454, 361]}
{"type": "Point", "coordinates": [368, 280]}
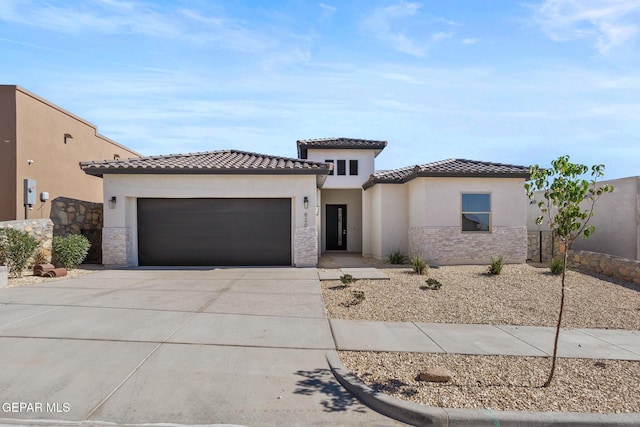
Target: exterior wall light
{"type": "Point", "coordinates": [112, 202]}
{"type": "Point", "coordinates": [67, 136]}
{"type": "Point", "coordinates": [306, 202]}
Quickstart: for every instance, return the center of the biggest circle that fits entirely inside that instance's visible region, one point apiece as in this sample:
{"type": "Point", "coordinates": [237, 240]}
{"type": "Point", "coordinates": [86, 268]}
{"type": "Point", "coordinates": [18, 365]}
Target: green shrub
{"type": "Point", "coordinates": [347, 278]}
{"type": "Point", "coordinates": [16, 247]}
{"type": "Point", "coordinates": [496, 265]}
{"type": "Point", "coordinates": [397, 257]}
{"type": "Point", "coordinates": [70, 250]}
{"type": "Point", "coordinates": [555, 265]}
{"type": "Point", "coordinates": [418, 265]}
{"type": "Point", "coordinates": [358, 296]}
{"type": "Point", "coordinates": [432, 285]}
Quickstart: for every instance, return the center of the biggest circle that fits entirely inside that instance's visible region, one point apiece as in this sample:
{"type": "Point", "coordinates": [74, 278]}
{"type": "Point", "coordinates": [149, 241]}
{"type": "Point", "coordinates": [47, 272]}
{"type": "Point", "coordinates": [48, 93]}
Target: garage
{"type": "Point", "coordinates": [214, 231]}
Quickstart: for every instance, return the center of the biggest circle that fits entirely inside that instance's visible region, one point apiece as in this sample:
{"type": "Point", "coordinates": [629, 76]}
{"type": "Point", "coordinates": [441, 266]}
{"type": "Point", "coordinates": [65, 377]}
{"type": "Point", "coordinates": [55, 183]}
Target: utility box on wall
{"type": "Point", "coordinates": [30, 196]}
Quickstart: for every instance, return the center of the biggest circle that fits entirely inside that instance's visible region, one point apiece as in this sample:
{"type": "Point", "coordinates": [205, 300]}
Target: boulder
{"type": "Point", "coordinates": [436, 374]}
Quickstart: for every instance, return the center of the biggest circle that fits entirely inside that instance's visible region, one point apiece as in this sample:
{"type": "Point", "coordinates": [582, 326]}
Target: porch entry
{"type": "Point", "coordinates": [336, 227]}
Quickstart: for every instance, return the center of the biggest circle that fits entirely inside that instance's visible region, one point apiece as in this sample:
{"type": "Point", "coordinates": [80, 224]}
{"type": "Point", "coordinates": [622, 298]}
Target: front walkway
{"type": "Point", "coordinates": [333, 265]}
{"type": "Point", "coordinates": [362, 335]}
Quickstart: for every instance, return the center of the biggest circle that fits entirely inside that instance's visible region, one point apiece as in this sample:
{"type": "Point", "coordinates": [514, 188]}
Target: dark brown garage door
{"type": "Point", "coordinates": [204, 232]}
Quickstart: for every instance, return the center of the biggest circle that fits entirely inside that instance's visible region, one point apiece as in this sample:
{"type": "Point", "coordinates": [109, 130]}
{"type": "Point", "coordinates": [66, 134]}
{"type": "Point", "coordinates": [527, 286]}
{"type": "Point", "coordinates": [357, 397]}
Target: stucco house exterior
{"type": "Point", "coordinates": [42, 142]}
{"type": "Point", "coordinates": [231, 207]}
{"type": "Point", "coordinates": [616, 217]}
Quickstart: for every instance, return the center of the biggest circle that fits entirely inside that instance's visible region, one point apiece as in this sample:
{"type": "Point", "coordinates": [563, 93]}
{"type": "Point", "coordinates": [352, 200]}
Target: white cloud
{"type": "Point", "coordinates": [194, 27]}
{"type": "Point", "coordinates": [608, 24]}
{"type": "Point", "coordinates": [469, 41]}
{"type": "Point", "coordinates": [393, 26]}
{"type": "Point", "coordinates": [327, 9]}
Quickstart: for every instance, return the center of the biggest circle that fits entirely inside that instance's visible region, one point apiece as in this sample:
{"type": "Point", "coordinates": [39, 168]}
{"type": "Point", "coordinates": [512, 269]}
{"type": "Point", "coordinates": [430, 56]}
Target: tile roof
{"type": "Point", "coordinates": [209, 162]}
{"type": "Point", "coordinates": [347, 143]}
{"type": "Point", "coordinates": [448, 168]}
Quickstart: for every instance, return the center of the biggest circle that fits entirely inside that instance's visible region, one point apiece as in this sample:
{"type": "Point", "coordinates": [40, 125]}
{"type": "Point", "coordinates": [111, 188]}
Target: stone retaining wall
{"type": "Point", "coordinates": [73, 216]}
{"type": "Point", "coordinates": [537, 252]}
{"type": "Point", "coordinates": [609, 265]}
{"type": "Point", "coordinates": [41, 229]}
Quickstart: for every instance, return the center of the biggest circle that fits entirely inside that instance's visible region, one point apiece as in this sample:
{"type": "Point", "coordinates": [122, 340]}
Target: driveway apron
{"type": "Point", "coordinates": [194, 346]}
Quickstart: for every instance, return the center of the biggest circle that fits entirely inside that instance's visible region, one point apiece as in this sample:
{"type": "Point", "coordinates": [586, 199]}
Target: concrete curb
{"type": "Point", "coordinates": [89, 423]}
{"type": "Point", "coordinates": [4, 276]}
{"type": "Point", "coordinates": [420, 415]}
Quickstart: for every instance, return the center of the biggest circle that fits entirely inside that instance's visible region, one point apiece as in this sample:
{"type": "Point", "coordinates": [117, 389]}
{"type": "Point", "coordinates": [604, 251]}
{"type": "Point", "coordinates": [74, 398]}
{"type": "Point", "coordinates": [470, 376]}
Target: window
{"type": "Point", "coordinates": [342, 167]}
{"type": "Point", "coordinates": [330, 161]}
{"type": "Point", "coordinates": [476, 212]}
{"type": "Point", "coordinates": [353, 167]}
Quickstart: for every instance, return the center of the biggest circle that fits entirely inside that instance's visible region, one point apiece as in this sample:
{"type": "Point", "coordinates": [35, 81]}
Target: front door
{"type": "Point", "coordinates": [336, 227]}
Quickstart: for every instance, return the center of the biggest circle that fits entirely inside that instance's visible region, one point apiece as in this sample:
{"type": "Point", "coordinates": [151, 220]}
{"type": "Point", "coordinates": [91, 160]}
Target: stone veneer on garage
{"type": "Point", "coordinates": [306, 247]}
{"type": "Point", "coordinates": [117, 246]}
{"type": "Point", "coordinates": [437, 244]}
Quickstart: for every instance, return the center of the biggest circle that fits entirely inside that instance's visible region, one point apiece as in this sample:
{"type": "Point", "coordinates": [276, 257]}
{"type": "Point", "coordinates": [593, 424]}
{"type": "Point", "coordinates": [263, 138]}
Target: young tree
{"type": "Point", "coordinates": [568, 205]}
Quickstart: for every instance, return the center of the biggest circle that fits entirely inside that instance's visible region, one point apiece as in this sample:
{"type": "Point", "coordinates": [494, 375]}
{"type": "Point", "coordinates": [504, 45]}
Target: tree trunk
{"type": "Point", "coordinates": [555, 342]}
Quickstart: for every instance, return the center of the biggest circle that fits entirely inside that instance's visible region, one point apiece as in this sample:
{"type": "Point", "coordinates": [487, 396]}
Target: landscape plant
{"type": "Point", "coordinates": [556, 265]}
{"type": "Point", "coordinates": [397, 257]}
{"type": "Point", "coordinates": [70, 250]}
{"type": "Point", "coordinates": [419, 265]}
{"type": "Point", "coordinates": [16, 247]}
{"type": "Point", "coordinates": [346, 279]}
{"type": "Point", "coordinates": [431, 285]}
{"type": "Point", "coordinates": [358, 296]}
{"type": "Point", "coordinates": [495, 266]}
{"type": "Point", "coordinates": [568, 199]}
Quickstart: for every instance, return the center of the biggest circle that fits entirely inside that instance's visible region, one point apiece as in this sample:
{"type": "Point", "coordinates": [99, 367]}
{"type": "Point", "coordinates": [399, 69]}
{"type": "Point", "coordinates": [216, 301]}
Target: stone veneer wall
{"type": "Point", "coordinates": [534, 252]}
{"type": "Point", "coordinates": [117, 248]}
{"type": "Point", "coordinates": [609, 265]}
{"type": "Point", "coordinates": [305, 245]}
{"type": "Point", "coordinates": [447, 245]}
{"type": "Point", "coordinates": [41, 229]}
{"type": "Point", "coordinates": [72, 216]}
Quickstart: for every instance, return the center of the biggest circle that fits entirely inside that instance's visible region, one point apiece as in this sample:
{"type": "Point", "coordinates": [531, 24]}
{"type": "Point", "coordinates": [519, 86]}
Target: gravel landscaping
{"type": "Point", "coordinates": [28, 278]}
{"type": "Point", "coordinates": [521, 295]}
{"type": "Point", "coordinates": [503, 383]}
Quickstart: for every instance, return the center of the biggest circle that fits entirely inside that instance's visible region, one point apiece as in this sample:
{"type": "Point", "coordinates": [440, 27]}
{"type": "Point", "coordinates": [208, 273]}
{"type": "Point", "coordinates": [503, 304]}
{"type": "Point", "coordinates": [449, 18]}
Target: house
{"type": "Point", "coordinates": [616, 217]}
{"type": "Point", "coordinates": [231, 207]}
{"type": "Point", "coordinates": [40, 147]}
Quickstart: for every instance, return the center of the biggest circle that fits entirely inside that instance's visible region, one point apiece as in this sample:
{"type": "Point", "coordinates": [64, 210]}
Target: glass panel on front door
{"type": "Point", "coordinates": [336, 227]}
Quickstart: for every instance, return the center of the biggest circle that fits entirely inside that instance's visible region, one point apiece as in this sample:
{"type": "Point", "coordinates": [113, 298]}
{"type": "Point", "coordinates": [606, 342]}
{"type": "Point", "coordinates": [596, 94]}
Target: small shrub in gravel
{"type": "Point", "coordinates": [555, 265]}
{"type": "Point", "coordinates": [418, 265]}
{"type": "Point", "coordinates": [358, 297]}
{"type": "Point", "coordinates": [397, 257]}
{"type": "Point", "coordinates": [347, 279]}
{"type": "Point", "coordinates": [16, 247]}
{"type": "Point", "coordinates": [496, 265]}
{"type": "Point", "coordinates": [70, 250]}
{"type": "Point", "coordinates": [432, 285]}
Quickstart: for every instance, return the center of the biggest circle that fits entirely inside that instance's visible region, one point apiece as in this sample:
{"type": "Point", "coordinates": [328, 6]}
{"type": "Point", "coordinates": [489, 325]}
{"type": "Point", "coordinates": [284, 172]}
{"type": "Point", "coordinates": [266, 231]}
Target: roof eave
{"type": "Point", "coordinates": [473, 175]}
{"type": "Point", "coordinates": [373, 181]}
{"type": "Point", "coordinates": [97, 171]}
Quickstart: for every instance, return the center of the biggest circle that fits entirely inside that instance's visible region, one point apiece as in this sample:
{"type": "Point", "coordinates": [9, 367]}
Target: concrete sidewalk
{"type": "Point", "coordinates": [359, 335]}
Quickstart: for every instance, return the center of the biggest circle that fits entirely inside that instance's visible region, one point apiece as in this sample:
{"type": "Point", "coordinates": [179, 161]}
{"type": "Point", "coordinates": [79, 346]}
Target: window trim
{"type": "Point", "coordinates": [490, 213]}
{"type": "Point", "coordinates": [342, 167]}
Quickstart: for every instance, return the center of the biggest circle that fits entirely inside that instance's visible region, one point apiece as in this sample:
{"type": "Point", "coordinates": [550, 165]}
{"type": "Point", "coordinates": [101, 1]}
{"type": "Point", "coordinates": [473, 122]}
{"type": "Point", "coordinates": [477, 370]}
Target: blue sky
{"type": "Point", "coordinates": [511, 82]}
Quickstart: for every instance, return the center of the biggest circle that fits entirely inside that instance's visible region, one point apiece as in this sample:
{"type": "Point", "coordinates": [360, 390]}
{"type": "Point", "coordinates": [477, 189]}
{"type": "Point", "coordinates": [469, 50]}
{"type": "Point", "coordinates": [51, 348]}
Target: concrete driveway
{"type": "Point", "coordinates": [213, 346]}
